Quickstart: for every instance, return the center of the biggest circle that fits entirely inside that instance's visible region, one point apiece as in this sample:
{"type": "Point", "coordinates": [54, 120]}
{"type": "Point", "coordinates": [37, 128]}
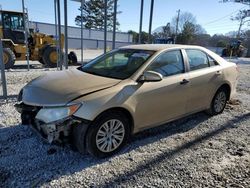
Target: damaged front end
{"type": "Point", "coordinates": [54, 124]}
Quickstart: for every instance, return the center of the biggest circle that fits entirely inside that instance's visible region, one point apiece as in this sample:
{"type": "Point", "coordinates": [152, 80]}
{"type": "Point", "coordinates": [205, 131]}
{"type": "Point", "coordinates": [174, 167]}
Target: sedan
{"type": "Point", "coordinates": [98, 106]}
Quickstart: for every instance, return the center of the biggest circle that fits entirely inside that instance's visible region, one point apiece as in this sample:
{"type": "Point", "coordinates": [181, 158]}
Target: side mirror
{"type": "Point", "coordinates": [150, 76]}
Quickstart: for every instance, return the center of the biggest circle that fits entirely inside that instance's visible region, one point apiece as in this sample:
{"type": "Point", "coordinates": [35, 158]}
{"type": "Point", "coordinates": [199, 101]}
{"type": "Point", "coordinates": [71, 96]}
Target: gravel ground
{"type": "Point", "coordinates": [196, 151]}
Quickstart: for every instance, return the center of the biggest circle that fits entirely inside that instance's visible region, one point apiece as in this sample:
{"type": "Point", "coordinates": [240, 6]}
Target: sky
{"type": "Point", "coordinates": [211, 14]}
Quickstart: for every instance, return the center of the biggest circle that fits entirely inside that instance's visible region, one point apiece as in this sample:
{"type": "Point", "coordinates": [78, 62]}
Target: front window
{"type": "Point", "coordinates": [168, 63]}
{"type": "Point", "coordinates": [118, 64]}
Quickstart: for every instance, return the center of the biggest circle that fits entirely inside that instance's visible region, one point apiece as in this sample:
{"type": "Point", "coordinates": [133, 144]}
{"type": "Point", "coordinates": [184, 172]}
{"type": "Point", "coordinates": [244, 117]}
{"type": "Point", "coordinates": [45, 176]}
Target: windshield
{"type": "Point", "coordinates": [119, 64]}
{"type": "Point", "coordinates": [13, 21]}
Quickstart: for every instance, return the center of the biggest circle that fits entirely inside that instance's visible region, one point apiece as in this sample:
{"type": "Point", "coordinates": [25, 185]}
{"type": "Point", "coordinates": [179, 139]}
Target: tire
{"type": "Point", "coordinates": [50, 57]}
{"type": "Point", "coordinates": [27, 117]}
{"type": "Point", "coordinates": [224, 53]}
{"type": "Point", "coordinates": [72, 58]}
{"type": "Point", "coordinates": [121, 130]}
{"type": "Point", "coordinates": [219, 102]}
{"type": "Point", "coordinates": [79, 137]}
{"type": "Point", "coordinates": [240, 53]}
{"type": "Point", "coordinates": [8, 58]}
{"type": "Point", "coordinates": [41, 52]}
{"type": "Point", "coordinates": [41, 61]}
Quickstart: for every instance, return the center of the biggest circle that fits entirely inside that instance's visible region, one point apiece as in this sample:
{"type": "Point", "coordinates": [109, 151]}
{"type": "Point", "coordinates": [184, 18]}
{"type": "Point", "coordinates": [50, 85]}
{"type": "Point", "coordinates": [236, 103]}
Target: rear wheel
{"type": "Point", "coordinates": [219, 102]}
{"type": "Point", "coordinates": [108, 134]}
{"type": "Point", "coordinates": [8, 58]}
{"type": "Point", "coordinates": [224, 53]}
{"type": "Point", "coordinates": [41, 52]}
{"type": "Point", "coordinates": [41, 61]}
{"type": "Point", "coordinates": [50, 57]}
{"type": "Point", "coordinates": [72, 57]}
{"type": "Point", "coordinates": [240, 53]}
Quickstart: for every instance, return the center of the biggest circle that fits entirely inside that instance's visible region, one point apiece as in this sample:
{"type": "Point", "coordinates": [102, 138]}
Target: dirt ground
{"type": "Point", "coordinates": [196, 151]}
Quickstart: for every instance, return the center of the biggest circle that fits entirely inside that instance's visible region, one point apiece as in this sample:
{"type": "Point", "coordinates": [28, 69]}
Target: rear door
{"type": "Point", "coordinates": [205, 75]}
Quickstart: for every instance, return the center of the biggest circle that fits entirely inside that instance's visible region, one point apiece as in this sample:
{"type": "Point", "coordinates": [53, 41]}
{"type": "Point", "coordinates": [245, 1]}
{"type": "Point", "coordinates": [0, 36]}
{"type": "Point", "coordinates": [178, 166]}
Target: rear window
{"type": "Point", "coordinates": [197, 59]}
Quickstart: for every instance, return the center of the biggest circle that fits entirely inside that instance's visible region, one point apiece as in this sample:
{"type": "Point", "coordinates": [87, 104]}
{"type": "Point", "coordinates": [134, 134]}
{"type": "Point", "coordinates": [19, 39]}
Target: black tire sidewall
{"type": "Point", "coordinates": [72, 57]}
{"type": "Point", "coordinates": [93, 129]}
{"type": "Point", "coordinates": [79, 137]}
{"type": "Point", "coordinates": [11, 56]}
{"type": "Point", "coordinates": [45, 57]}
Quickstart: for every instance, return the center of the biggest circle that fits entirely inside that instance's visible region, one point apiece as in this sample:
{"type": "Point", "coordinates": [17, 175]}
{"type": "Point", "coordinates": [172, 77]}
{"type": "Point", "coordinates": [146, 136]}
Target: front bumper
{"type": "Point", "coordinates": [58, 131]}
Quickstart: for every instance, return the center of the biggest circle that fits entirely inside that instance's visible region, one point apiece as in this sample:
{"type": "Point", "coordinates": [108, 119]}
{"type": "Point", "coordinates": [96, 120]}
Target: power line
{"type": "Point", "coordinates": [218, 19]}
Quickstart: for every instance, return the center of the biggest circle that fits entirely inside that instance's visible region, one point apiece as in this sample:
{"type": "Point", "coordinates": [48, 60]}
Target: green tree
{"type": "Point", "coordinates": [187, 28]}
{"type": "Point", "coordinates": [93, 15]}
{"type": "Point", "coordinates": [201, 39]}
{"type": "Point", "coordinates": [187, 34]}
{"type": "Point", "coordinates": [144, 36]}
{"type": "Point", "coordinates": [164, 33]}
{"type": "Point", "coordinates": [219, 40]}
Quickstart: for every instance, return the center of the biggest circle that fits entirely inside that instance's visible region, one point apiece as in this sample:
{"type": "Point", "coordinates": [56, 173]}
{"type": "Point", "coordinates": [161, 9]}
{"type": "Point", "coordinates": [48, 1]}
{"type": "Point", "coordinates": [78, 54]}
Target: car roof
{"type": "Point", "coordinates": [158, 47]}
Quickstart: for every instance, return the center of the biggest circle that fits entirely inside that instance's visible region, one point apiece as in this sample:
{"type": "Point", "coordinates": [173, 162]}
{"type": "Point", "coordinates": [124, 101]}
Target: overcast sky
{"type": "Point", "coordinates": [211, 14]}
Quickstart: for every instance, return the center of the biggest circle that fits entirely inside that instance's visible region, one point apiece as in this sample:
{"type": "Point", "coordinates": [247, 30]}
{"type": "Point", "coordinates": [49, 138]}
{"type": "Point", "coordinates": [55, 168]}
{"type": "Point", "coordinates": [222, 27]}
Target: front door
{"type": "Point", "coordinates": [158, 102]}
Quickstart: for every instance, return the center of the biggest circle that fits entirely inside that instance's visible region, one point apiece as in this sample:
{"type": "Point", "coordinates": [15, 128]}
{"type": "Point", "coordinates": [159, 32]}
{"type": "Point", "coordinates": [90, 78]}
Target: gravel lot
{"type": "Point", "coordinates": [197, 151]}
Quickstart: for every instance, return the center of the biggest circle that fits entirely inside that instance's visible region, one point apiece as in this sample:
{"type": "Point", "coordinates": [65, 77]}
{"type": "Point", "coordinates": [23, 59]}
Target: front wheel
{"type": "Point", "coordinates": [218, 103]}
{"type": "Point", "coordinates": [72, 58]}
{"type": "Point", "coordinates": [8, 58]}
{"type": "Point", "coordinates": [108, 134]}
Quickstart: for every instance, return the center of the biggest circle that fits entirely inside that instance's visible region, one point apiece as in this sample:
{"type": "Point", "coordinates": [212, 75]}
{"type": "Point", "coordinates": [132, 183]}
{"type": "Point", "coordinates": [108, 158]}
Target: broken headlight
{"type": "Point", "coordinates": [52, 114]}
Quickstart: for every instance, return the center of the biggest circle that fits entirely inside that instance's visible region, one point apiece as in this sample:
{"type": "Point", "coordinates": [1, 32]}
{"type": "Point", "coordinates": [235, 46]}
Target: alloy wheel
{"type": "Point", "coordinates": [220, 101]}
{"type": "Point", "coordinates": [110, 135]}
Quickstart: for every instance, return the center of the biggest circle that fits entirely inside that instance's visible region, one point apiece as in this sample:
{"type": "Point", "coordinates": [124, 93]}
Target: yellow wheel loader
{"type": "Point", "coordinates": [235, 48]}
{"type": "Point", "coordinates": [41, 47]}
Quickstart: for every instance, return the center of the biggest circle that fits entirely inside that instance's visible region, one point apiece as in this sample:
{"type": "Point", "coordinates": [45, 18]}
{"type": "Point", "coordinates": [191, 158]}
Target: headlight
{"type": "Point", "coordinates": [53, 114]}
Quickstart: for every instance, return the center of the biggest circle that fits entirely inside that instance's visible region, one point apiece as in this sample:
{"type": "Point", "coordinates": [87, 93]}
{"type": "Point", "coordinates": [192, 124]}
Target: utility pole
{"type": "Point", "coordinates": [82, 3]}
{"type": "Point", "coordinates": [66, 34]}
{"type": "Point", "coordinates": [114, 23]}
{"type": "Point", "coordinates": [59, 33]}
{"type": "Point", "coordinates": [26, 35]}
{"type": "Point", "coordinates": [56, 34]}
{"type": "Point", "coordinates": [150, 21]}
{"type": "Point", "coordinates": [2, 67]}
{"type": "Point", "coordinates": [105, 25]}
{"type": "Point", "coordinates": [141, 18]}
{"type": "Point", "coordinates": [177, 25]}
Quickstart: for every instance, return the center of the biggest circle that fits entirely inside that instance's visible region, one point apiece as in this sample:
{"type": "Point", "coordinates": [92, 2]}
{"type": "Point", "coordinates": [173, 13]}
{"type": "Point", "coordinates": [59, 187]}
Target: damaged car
{"type": "Point", "coordinates": [100, 105]}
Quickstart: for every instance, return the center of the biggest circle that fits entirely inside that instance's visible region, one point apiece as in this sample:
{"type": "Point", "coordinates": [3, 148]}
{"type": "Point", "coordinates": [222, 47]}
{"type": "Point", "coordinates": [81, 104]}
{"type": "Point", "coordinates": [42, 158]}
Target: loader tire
{"type": "Point", "coordinates": [224, 53]}
{"type": "Point", "coordinates": [50, 57]}
{"type": "Point", "coordinates": [72, 58]}
{"type": "Point", "coordinates": [8, 58]}
{"type": "Point", "coordinates": [41, 61]}
{"type": "Point", "coordinates": [41, 52]}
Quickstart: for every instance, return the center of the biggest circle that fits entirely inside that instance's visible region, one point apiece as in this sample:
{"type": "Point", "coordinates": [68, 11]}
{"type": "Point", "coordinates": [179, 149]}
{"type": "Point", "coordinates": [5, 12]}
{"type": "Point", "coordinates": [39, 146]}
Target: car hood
{"type": "Point", "coordinates": [60, 88]}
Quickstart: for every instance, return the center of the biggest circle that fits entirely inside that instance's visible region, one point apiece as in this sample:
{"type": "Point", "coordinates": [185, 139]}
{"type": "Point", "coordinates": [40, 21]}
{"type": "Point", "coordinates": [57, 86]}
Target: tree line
{"type": "Point", "coordinates": [183, 27]}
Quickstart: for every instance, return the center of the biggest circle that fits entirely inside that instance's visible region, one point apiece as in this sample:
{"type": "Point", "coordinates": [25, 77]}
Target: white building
{"type": "Point", "coordinates": [92, 39]}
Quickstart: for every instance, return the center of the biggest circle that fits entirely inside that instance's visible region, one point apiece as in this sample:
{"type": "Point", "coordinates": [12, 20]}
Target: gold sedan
{"type": "Point", "coordinates": [100, 104]}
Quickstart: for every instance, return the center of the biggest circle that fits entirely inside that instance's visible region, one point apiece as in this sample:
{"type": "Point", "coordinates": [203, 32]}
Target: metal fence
{"type": "Point", "coordinates": [2, 78]}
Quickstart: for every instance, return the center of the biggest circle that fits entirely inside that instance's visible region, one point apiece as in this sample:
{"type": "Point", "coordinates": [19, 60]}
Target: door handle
{"type": "Point", "coordinates": [218, 72]}
{"type": "Point", "coordinates": [184, 81]}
